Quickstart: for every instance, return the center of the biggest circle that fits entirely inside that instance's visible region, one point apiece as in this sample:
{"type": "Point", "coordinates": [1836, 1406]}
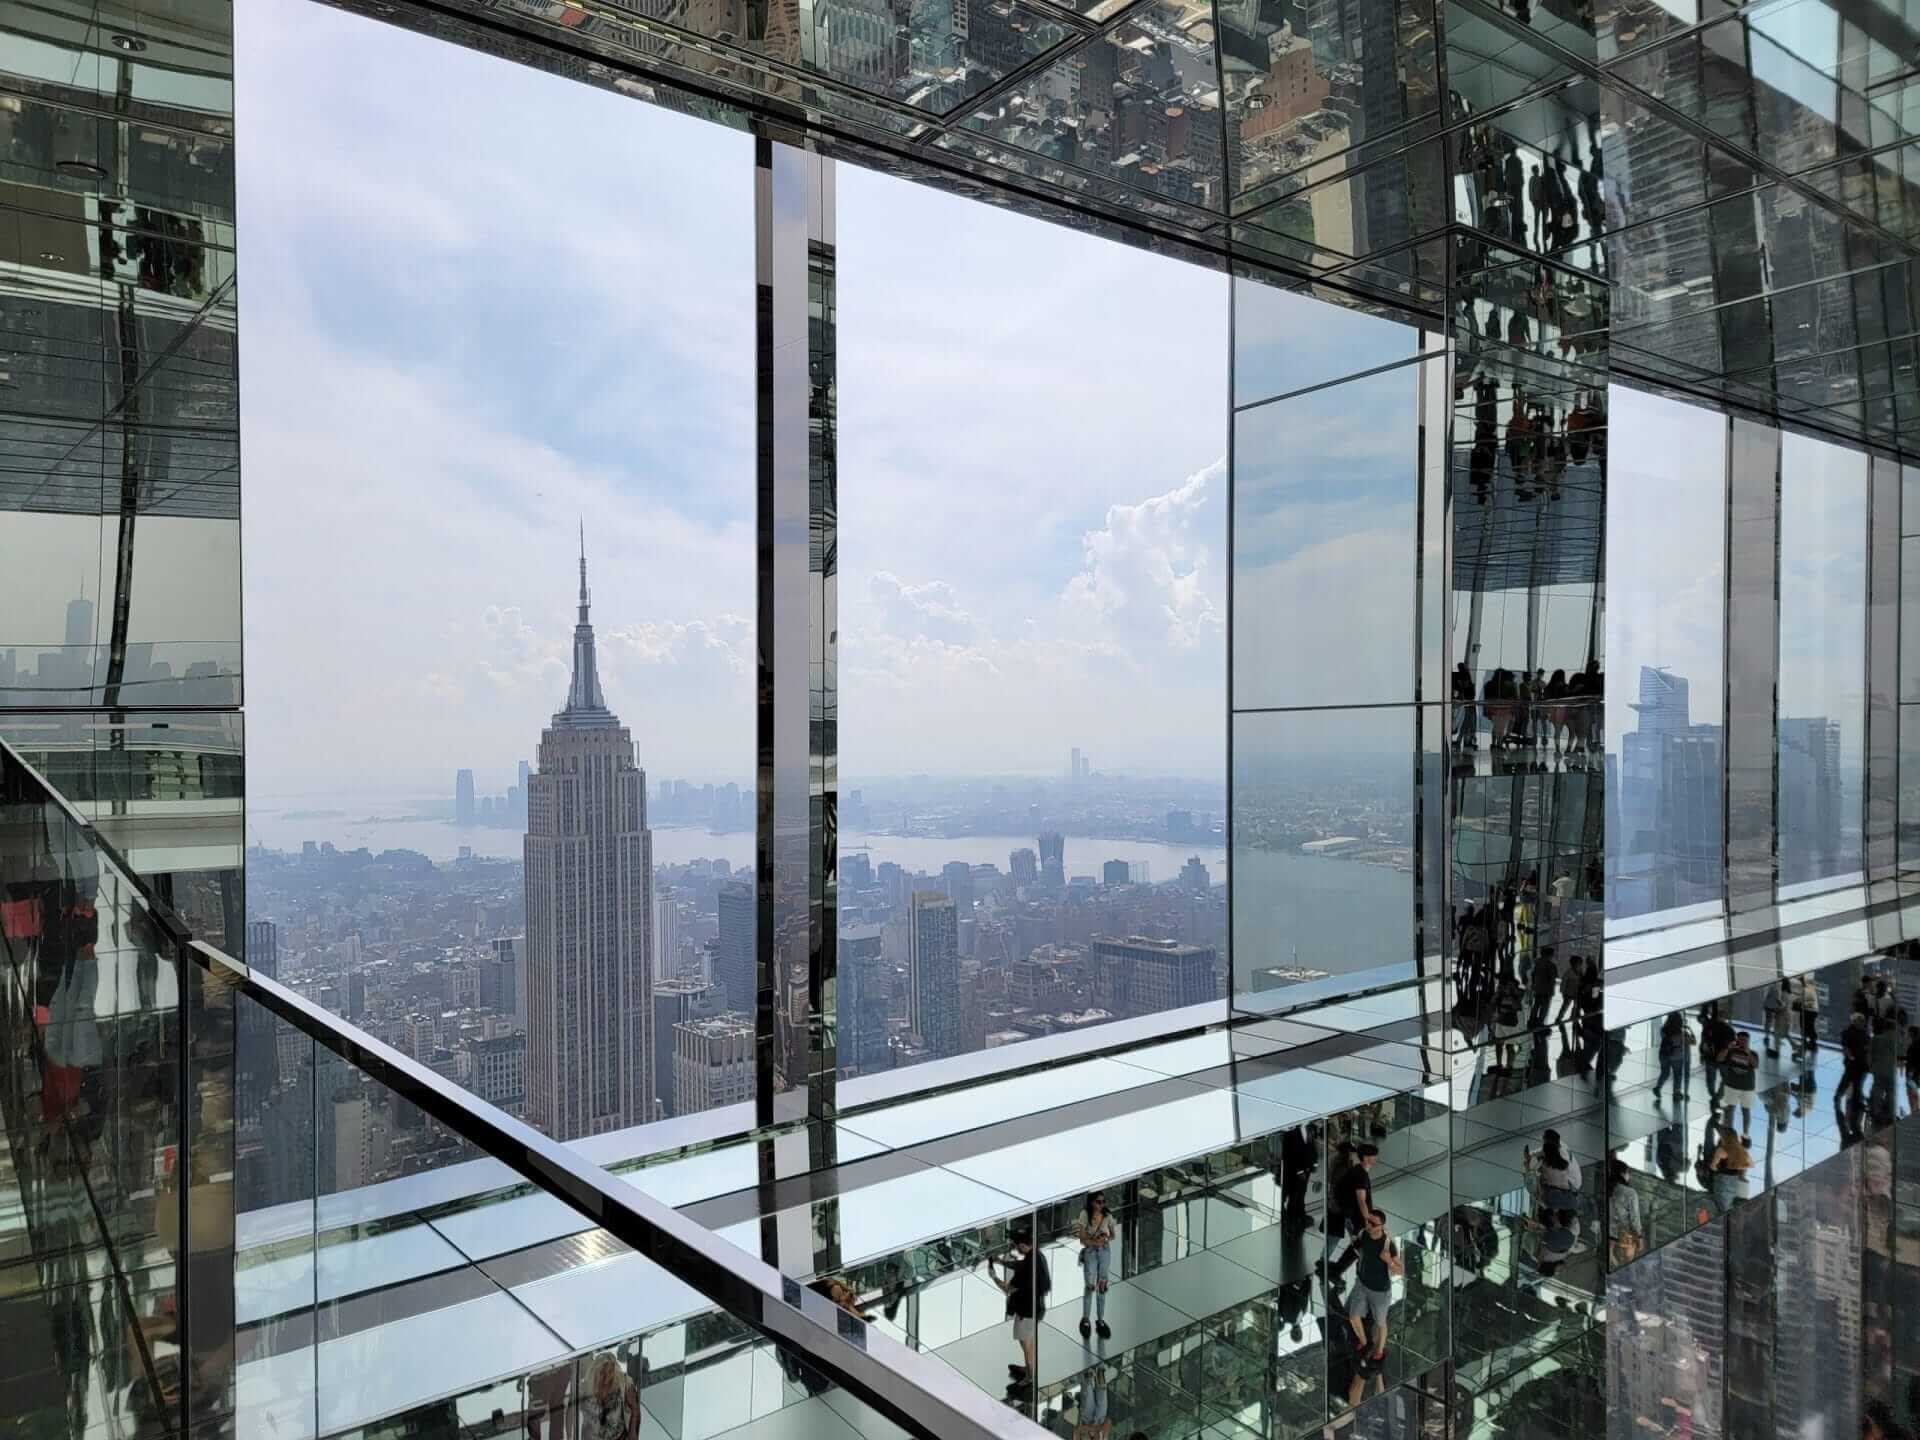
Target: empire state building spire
{"type": "Point", "coordinates": [585, 704]}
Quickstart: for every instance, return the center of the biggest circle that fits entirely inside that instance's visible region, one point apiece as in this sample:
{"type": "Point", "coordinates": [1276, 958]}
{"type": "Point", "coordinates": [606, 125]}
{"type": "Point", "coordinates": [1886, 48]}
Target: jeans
{"type": "Point", "coordinates": [1677, 1067]}
{"type": "Point", "coordinates": [1095, 1264]}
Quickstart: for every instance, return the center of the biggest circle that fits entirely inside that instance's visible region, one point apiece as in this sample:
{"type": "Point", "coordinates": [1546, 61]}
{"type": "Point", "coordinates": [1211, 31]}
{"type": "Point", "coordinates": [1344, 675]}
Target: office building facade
{"type": "Point", "coordinates": [589, 907]}
{"type": "Point", "coordinates": [933, 972]}
{"type": "Point", "coordinates": [1564, 341]}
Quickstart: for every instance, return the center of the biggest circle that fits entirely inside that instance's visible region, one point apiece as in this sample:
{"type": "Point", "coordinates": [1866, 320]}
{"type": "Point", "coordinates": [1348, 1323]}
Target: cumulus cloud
{"type": "Point", "coordinates": [1146, 568]}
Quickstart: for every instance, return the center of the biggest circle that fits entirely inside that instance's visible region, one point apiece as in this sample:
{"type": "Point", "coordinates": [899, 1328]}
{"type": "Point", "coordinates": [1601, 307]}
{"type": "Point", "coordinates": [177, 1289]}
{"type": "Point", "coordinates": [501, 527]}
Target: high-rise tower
{"type": "Point", "coordinates": [589, 883]}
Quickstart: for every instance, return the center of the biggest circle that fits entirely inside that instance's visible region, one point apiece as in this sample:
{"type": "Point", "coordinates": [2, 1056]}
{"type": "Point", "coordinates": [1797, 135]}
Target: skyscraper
{"type": "Point", "coordinates": [463, 804]}
{"type": "Point", "coordinates": [1053, 858]}
{"type": "Point", "coordinates": [733, 964]}
{"type": "Point", "coordinates": [933, 961]}
{"type": "Point", "coordinates": [674, 1003]}
{"type": "Point", "coordinates": [1023, 867]}
{"type": "Point", "coordinates": [862, 1001]}
{"type": "Point", "coordinates": [589, 899]}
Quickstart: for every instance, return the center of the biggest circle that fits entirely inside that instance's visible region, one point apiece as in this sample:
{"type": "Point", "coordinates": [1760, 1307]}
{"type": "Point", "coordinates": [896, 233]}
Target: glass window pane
{"type": "Point", "coordinates": [1325, 543]}
{"type": "Point", "coordinates": [1322, 846]}
{"type": "Point", "coordinates": [1822, 687]}
{"type": "Point", "coordinates": [1666, 584]}
{"type": "Point", "coordinates": [1032, 603]}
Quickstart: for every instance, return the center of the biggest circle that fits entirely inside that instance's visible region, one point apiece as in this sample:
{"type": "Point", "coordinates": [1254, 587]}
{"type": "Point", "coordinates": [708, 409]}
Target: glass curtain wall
{"type": "Point", "coordinates": [1033, 646]}
{"type": "Point", "coordinates": [1666, 626]}
{"type": "Point", "coordinates": [1336, 606]}
{"type": "Point", "coordinates": [501, 578]}
{"type": "Point", "coordinates": [1909, 818]}
{"type": "Point", "coordinates": [1822, 679]}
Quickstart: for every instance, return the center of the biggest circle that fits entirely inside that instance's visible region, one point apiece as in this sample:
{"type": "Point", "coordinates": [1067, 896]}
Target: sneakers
{"type": "Point", "coordinates": [1106, 1330]}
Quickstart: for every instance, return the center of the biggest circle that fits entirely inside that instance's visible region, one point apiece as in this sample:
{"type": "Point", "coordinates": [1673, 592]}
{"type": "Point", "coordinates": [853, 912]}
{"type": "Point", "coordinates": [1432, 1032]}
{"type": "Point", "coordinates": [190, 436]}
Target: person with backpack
{"type": "Point", "coordinates": [1727, 1171]}
{"type": "Point", "coordinates": [1377, 1260]}
{"type": "Point", "coordinates": [1625, 1230]}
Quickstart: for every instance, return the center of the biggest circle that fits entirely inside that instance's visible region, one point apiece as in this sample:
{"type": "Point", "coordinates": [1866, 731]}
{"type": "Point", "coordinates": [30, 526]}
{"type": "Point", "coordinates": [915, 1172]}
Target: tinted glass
{"type": "Point", "coordinates": [1823, 537]}
{"type": "Point", "coordinates": [1666, 617]}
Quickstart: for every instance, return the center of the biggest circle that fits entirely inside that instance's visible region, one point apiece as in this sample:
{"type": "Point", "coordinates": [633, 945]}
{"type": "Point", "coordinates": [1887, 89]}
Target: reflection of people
{"type": "Point", "coordinates": [1807, 1002]}
{"type": "Point", "coordinates": [1353, 1191]}
{"type": "Point", "coordinates": [1378, 1261]}
{"type": "Point", "coordinates": [1777, 1004]}
{"type": "Point", "coordinates": [1299, 1158]}
{"type": "Point", "coordinates": [612, 1408]}
{"type": "Point", "coordinates": [1093, 1423]}
{"type": "Point", "coordinates": [1559, 1173]}
{"type": "Point", "coordinates": [1727, 1171]}
{"type": "Point", "coordinates": [1095, 1231]}
{"type": "Point", "coordinates": [1026, 1284]}
{"type": "Point", "coordinates": [1623, 1213]}
{"type": "Point", "coordinates": [1676, 1057]}
{"type": "Point", "coordinates": [1739, 1069]}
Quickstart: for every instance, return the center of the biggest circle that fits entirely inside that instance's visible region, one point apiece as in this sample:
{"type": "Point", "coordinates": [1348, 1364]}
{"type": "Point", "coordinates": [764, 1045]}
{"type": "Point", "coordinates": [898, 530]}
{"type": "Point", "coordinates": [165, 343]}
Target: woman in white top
{"type": "Point", "coordinates": [1095, 1231]}
{"type": "Point", "coordinates": [1559, 1174]}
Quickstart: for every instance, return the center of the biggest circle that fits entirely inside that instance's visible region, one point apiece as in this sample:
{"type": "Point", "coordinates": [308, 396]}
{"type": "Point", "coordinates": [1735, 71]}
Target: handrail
{"type": "Point", "coordinates": [908, 1386]}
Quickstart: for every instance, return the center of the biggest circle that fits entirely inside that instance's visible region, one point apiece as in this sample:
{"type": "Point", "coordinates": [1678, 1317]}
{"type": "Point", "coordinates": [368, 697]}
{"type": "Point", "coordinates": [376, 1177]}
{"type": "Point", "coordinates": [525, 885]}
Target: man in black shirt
{"type": "Point", "coordinates": [1353, 1191]}
{"type": "Point", "coordinates": [1378, 1259]}
{"type": "Point", "coordinates": [1026, 1285]}
{"type": "Point", "coordinates": [1716, 1039]}
{"type": "Point", "coordinates": [1299, 1158]}
{"type": "Point", "coordinates": [1856, 1047]}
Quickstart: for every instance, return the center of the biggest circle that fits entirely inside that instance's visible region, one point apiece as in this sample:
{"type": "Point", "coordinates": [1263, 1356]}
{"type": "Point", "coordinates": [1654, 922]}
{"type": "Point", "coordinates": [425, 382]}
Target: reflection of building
{"type": "Point", "coordinates": [589, 898]}
{"type": "Point", "coordinates": [1668, 804]}
{"type": "Point", "coordinates": [862, 1000]}
{"type": "Point", "coordinates": [933, 972]}
{"type": "Point", "coordinates": [712, 1063]}
{"type": "Point", "coordinates": [1053, 858]}
{"type": "Point", "coordinates": [1811, 812]}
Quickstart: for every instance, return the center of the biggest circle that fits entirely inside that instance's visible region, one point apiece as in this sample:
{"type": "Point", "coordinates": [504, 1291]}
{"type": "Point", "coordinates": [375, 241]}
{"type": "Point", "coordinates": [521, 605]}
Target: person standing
{"type": "Point", "coordinates": [1856, 1046]}
{"type": "Point", "coordinates": [1570, 986]}
{"type": "Point", "coordinates": [1378, 1261]}
{"type": "Point", "coordinates": [1353, 1190]}
{"type": "Point", "coordinates": [1740, 1067]}
{"type": "Point", "coordinates": [1625, 1230]}
{"type": "Point", "coordinates": [1716, 1039]}
{"type": "Point", "coordinates": [1809, 1007]}
{"type": "Point", "coordinates": [1676, 1055]}
{"type": "Point", "coordinates": [1026, 1284]}
{"type": "Point", "coordinates": [1777, 1003]}
{"type": "Point", "coordinates": [1095, 1231]}
{"type": "Point", "coordinates": [1884, 1062]}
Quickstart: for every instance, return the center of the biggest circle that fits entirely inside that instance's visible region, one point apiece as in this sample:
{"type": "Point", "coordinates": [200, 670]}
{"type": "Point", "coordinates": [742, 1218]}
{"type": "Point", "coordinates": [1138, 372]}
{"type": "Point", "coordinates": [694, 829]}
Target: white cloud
{"type": "Point", "coordinates": [1147, 569]}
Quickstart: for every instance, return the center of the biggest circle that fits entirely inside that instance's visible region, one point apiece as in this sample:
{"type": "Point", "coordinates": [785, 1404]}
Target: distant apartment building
{"type": "Point", "coordinates": [712, 1063]}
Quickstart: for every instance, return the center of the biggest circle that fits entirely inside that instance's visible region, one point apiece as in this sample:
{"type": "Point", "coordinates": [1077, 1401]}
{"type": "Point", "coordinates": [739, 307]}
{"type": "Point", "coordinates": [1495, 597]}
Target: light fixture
{"type": "Point", "coordinates": [132, 44]}
{"type": "Point", "coordinates": [53, 257]}
{"type": "Point", "coordinates": [81, 169]}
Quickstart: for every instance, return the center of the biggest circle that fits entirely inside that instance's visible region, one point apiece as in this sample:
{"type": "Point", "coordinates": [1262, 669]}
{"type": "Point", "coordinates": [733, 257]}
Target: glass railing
{"type": "Point", "coordinates": [231, 1214]}
{"type": "Point", "coordinates": [99, 1088]}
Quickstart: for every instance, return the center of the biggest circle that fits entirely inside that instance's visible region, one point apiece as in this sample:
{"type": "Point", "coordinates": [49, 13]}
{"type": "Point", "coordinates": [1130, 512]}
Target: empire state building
{"type": "Point", "coordinates": [589, 879]}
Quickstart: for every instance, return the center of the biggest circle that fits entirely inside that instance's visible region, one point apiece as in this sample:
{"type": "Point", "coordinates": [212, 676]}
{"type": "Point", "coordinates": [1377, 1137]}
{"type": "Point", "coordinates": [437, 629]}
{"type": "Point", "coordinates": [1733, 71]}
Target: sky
{"type": "Point", "coordinates": [485, 304]}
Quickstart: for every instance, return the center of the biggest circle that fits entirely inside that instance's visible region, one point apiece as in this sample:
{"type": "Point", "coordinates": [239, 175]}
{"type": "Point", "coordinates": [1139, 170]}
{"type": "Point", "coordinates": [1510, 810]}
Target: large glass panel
{"type": "Point", "coordinates": [1666, 617]}
{"type": "Point", "coordinates": [1822, 688]}
{"type": "Point", "coordinates": [1033, 639]}
{"type": "Point", "coordinates": [1753, 660]}
{"type": "Point", "coordinates": [459, 707]}
{"type": "Point", "coordinates": [1666, 1340]}
{"type": "Point", "coordinates": [1322, 845]}
{"type": "Point", "coordinates": [1325, 540]}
